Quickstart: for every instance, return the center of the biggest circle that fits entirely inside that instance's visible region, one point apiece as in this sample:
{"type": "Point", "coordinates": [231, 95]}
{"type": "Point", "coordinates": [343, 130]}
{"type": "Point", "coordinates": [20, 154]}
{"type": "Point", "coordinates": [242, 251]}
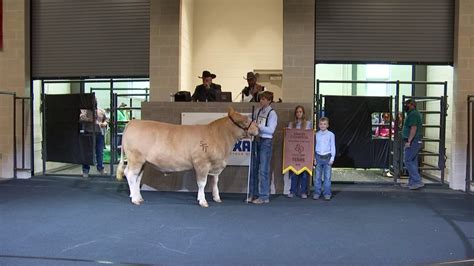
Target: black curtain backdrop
{"type": "Point", "coordinates": [350, 120]}
{"type": "Point", "coordinates": [64, 140]}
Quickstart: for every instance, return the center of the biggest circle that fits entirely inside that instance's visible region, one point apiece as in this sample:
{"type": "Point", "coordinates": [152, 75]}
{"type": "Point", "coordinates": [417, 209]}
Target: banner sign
{"type": "Point", "coordinates": [298, 150]}
{"type": "Point", "coordinates": [240, 155]}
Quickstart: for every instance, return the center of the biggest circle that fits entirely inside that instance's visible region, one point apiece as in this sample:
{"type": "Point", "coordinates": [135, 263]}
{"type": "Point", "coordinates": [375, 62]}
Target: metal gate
{"type": "Point", "coordinates": [117, 125]}
{"type": "Point", "coordinates": [114, 123]}
{"type": "Point", "coordinates": [430, 168]}
{"type": "Point", "coordinates": [64, 137]}
{"type": "Point", "coordinates": [13, 127]}
{"type": "Point", "coordinates": [80, 87]}
{"type": "Point", "coordinates": [433, 159]}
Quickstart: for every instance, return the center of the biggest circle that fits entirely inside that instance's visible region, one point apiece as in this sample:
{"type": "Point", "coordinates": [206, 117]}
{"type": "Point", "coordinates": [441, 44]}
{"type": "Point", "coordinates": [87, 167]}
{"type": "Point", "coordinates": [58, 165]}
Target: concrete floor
{"type": "Point", "coordinates": [70, 221]}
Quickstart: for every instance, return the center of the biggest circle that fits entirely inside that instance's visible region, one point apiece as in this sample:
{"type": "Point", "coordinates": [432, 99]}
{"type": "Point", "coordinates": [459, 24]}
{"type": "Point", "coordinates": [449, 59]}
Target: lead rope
{"type": "Point", "coordinates": [250, 169]}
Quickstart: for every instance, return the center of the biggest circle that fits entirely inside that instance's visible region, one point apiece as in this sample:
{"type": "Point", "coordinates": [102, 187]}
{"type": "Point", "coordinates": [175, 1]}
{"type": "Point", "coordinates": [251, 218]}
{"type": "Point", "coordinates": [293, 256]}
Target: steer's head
{"type": "Point", "coordinates": [247, 126]}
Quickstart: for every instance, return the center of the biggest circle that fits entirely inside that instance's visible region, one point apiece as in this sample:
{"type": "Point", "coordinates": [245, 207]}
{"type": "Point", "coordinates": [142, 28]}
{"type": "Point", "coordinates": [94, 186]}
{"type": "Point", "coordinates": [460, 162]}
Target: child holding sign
{"type": "Point", "coordinates": [299, 183]}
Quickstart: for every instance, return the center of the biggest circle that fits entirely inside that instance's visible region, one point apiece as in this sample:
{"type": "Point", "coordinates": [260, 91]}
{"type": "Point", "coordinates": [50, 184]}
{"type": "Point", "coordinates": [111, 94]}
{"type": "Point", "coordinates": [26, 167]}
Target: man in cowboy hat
{"type": "Point", "coordinates": [251, 92]}
{"type": "Point", "coordinates": [207, 91]}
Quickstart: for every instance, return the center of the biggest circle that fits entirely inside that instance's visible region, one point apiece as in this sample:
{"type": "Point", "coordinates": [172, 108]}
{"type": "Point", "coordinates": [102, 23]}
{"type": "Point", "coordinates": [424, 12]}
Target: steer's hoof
{"type": "Point", "coordinates": [138, 201]}
{"type": "Point", "coordinates": [217, 200]}
{"type": "Point", "coordinates": [204, 204]}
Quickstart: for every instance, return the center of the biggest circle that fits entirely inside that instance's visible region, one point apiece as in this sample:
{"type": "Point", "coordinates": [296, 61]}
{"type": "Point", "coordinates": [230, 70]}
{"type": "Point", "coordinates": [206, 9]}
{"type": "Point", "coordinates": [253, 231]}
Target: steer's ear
{"type": "Point", "coordinates": [230, 111]}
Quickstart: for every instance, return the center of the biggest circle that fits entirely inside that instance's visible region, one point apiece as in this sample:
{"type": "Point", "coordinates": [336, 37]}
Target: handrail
{"type": "Point", "coordinates": [14, 120]}
{"type": "Point", "coordinates": [381, 82]}
{"type": "Point", "coordinates": [469, 146]}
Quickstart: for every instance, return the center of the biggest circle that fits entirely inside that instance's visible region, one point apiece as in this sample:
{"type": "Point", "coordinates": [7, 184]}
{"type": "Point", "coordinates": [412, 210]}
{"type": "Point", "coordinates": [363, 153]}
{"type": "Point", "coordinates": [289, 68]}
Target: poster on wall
{"type": "Point", "coordinates": [240, 155]}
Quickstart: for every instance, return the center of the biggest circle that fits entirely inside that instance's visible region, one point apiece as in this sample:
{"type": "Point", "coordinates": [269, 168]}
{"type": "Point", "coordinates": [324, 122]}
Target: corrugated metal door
{"type": "Point", "coordinates": [384, 31]}
{"type": "Point", "coordinates": [87, 38]}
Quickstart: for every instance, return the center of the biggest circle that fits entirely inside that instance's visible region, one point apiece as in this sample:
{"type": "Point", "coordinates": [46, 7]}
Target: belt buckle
{"type": "Point", "coordinates": [325, 156]}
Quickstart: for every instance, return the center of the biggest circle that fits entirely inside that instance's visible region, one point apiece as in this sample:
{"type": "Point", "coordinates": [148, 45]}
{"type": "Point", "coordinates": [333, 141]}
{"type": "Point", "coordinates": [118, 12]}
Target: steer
{"type": "Point", "coordinates": [174, 148]}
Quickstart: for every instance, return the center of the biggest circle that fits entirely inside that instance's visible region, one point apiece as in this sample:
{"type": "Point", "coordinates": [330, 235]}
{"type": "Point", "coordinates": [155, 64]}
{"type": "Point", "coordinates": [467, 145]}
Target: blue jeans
{"type": "Point", "coordinates": [410, 158]}
{"type": "Point", "coordinates": [322, 167]}
{"type": "Point", "coordinates": [260, 173]}
{"type": "Point", "coordinates": [300, 187]}
{"type": "Point", "coordinates": [99, 153]}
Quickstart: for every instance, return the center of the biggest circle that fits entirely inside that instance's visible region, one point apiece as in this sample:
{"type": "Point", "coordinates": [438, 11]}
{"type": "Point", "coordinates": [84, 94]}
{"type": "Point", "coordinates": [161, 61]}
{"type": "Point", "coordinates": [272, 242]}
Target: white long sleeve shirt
{"type": "Point", "coordinates": [325, 143]}
{"type": "Point", "coordinates": [266, 128]}
{"type": "Point", "coordinates": [298, 125]}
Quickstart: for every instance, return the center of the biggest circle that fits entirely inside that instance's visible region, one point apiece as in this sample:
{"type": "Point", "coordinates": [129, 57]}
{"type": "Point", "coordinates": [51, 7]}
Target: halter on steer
{"type": "Point", "coordinates": [243, 128]}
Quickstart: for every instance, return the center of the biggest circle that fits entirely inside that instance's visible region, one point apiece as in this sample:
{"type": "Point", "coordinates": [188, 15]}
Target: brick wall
{"type": "Point", "coordinates": [298, 50]}
{"type": "Point", "coordinates": [164, 48]}
{"type": "Point", "coordinates": [14, 77]}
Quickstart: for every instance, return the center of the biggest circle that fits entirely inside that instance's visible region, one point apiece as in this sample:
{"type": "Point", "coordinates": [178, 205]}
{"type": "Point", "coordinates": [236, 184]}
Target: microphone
{"type": "Point", "coordinates": [236, 97]}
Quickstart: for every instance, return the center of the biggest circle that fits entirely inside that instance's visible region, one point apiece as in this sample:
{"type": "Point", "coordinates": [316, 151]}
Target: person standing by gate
{"type": "Point", "coordinates": [122, 119]}
{"type": "Point", "coordinates": [100, 125]}
{"type": "Point", "coordinates": [411, 135]}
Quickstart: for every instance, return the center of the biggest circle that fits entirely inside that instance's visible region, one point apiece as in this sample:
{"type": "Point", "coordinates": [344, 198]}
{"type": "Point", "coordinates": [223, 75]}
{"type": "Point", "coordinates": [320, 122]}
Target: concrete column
{"type": "Point", "coordinates": [463, 86]}
{"type": "Point", "coordinates": [14, 77]}
{"type": "Point", "coordinates": [164, 48]}
{"type": "Point", "coordinates": [298, 50]}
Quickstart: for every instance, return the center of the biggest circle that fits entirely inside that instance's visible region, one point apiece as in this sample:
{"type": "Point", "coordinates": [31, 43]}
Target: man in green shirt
{"type": "Point", "coordinates": [122, 117]}
{"type": "Point", "coordinates": [411, 134]}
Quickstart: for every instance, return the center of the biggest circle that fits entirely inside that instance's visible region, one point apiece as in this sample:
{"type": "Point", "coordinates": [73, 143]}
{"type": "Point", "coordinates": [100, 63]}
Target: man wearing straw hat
{"type": "Point", "coordinates": [251, 92]}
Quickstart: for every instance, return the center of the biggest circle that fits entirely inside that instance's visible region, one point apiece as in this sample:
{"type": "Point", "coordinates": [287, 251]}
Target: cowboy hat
{"type": "Point", "coordinates": [251, 75]}
{"type": "Point", "coordinates": [206, 74]}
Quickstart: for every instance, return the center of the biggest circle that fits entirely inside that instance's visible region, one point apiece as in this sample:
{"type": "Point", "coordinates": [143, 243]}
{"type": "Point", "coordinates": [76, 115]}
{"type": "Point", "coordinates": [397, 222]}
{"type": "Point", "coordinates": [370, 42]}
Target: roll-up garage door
{"type": "Point", "coordinates": [90, 38]}
{"type": "Point", "coordinates": [384, 31]}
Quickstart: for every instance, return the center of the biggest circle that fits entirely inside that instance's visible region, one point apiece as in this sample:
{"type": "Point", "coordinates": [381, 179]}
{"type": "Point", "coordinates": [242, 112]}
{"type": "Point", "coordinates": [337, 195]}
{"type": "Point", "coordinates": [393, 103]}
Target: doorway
{"type": "Point", "coordinates": [364, 157]}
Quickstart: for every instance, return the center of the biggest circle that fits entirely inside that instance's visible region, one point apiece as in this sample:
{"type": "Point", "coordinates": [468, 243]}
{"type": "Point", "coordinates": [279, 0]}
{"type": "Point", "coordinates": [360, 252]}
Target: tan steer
{"type": "Point", "coordinates": [174, 148]}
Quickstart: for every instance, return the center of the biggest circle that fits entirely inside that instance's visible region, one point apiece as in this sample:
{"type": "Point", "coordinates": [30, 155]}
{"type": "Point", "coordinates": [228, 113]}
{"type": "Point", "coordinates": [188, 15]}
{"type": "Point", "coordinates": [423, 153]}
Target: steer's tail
{"type": "Point", "coordinates": [121, 166]}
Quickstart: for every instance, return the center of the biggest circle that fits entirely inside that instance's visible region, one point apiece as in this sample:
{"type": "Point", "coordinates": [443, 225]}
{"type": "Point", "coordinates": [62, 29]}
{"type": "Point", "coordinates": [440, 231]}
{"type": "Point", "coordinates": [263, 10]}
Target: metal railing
{"type": "Point", "coordinates": [16, 98]}
{"type": "Point", "coordinates": [470, 143]}
{"type": "Point", "coordinates": [81, 86]}
{"type": "Point", "coordinates": [397, 157]}
{"type": "Point", "coordinates": [115, 147]}
{"type": "Point", "coordinates": [114, 108]}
